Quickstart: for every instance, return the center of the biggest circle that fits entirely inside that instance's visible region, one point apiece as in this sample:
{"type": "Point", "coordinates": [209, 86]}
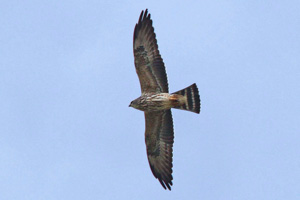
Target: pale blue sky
{"type": "Point", "coordinates": [67, 77]}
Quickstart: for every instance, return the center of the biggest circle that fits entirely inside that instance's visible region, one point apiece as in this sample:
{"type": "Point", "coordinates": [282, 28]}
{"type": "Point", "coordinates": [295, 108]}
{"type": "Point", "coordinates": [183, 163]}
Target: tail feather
{"type": "Point", "coordinates": [192, 102]}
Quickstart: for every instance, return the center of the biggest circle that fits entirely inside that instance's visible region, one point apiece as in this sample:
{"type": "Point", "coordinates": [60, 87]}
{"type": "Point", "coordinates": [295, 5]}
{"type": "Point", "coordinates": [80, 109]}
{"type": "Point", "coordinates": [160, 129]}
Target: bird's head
{"type": "Point", "coordinates": [130, 105]}
{"type": "Point", "coordinates": [135, 104]}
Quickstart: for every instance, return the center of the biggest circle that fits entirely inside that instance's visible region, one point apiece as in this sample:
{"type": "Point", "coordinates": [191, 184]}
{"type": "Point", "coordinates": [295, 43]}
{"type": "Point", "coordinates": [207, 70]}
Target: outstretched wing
{"type": "Point", "coordinates": [148, 62]}
{"type": "Point", "coordinates": [159, 139]}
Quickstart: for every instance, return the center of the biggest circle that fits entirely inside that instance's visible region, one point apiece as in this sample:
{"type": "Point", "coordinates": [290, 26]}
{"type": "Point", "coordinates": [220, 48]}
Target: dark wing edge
{"type": "Point", "coordinates": [148, 62]}
{"type": "Point", "coordinates": [159, 138]}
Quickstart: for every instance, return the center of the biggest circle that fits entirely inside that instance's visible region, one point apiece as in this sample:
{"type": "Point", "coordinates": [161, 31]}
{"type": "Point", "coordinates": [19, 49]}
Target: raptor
{"type": "Point", "coordinates": [156, 101]}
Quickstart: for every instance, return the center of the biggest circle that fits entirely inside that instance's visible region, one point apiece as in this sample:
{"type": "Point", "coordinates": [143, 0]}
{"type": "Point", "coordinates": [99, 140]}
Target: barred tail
{"type": "Point", "coordinates": [192, 99]}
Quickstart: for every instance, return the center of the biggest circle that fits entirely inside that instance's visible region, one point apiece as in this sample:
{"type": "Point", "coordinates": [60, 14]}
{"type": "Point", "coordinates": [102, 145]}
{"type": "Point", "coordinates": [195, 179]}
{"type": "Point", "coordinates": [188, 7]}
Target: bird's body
{"type": "Point", "coordinates": [156, 101]}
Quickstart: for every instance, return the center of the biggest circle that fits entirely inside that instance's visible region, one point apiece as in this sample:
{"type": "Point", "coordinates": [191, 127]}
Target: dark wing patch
{"type": "Point", "coordinates": [148, 62]}
{"type": "Point", "coordinates": [159, 138]}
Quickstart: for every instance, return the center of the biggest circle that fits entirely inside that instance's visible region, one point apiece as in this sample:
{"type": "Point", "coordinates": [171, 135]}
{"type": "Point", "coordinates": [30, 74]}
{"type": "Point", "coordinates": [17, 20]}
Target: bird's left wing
{"type": "Point", "coordinates": [159, 137]}
{"type": "Point", "coordinates": [148, 62]}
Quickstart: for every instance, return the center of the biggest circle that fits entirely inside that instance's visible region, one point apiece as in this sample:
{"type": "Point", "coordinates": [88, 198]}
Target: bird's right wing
{"type": "Point", "coordinates": [159, 137]}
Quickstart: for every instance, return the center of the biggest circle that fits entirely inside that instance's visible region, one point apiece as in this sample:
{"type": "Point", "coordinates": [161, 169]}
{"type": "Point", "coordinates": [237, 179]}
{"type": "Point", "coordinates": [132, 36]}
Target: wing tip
{"type": "Point", "coordinates": [166, 185]}
{"type": "Point", "coordinates": [145, 17]}
{"type": "Point", "coordinates": [166, 182]}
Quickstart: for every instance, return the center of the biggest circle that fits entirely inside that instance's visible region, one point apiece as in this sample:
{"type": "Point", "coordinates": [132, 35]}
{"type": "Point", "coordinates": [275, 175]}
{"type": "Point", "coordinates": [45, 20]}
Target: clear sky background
{"type": "Point", "coordinates": [67, 77]}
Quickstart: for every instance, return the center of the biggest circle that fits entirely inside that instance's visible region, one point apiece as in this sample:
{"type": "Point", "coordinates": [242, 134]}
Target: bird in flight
{"type": "Point", "coordinates": [156, 101]}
